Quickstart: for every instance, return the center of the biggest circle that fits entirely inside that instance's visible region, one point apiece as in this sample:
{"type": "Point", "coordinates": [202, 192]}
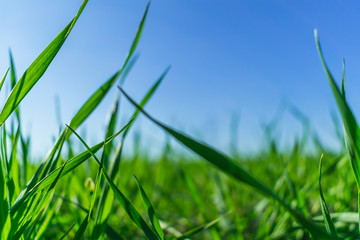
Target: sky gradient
{"type": "Point", "coordinates": [228, 58]}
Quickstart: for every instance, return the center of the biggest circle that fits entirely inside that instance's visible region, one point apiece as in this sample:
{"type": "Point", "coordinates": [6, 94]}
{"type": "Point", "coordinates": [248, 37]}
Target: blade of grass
{"type": "Point", "coordinates": [37, 69]}
{"type": "Point", "coordinates": [351, 127]}
{"type": "Point", "coordinates": [324, 209]}
{"type": "Point", "coordinates": [228, 166]}
{"type": "Point", "coordinates": [138, 34]}
{"type": "Point", "coordinates": [150, 211]}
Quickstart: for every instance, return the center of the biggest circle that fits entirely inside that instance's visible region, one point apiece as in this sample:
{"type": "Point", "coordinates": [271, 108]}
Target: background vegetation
{"type": "Point", "coordinates": [99, 193]}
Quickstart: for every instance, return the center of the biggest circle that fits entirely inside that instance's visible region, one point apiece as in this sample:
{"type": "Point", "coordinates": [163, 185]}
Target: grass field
{"type": "Point", "coordinates": [100, 193]}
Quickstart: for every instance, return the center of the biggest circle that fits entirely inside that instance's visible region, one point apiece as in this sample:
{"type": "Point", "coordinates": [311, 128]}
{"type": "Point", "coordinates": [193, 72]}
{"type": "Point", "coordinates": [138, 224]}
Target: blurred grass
{"type": "Point", "coordinates": [271, 194]}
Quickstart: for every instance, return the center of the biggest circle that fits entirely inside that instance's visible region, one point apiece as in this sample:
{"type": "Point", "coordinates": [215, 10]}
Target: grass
{"type": "Point", "coordinates": [101, 194]}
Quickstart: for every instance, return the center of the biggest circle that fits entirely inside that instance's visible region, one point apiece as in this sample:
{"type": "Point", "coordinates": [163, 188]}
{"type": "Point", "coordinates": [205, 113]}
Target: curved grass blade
{"type": "Point", "coordinates": [229, 167]}
{"type": "Point", "coordinates": [125, 203]}
{"type": "Point", "coordinates": [324, 209]}
{"type": "Point", "coordinates": [37, 69]}
{"type": "Point", "coordinates": [150, 211]}
{"type": "Point", "coordinates": [351, 127]}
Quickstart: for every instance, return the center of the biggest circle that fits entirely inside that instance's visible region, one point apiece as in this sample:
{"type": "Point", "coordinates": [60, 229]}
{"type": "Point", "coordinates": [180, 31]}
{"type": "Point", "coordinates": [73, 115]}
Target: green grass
{"type": "Point", "coordinates": [100, 193]}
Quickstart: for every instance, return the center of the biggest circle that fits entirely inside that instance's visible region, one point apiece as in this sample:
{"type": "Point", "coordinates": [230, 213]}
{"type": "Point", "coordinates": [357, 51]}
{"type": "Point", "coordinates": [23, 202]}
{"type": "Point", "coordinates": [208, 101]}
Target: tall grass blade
{"type": "Point", "coordinates": [231, 168]}
{"type": "Point", "coordinates": [37, 69]}
{"type": "Point", "coordinates": [150, 211]}
{"type": "Point", "coordinates": [351, 127]}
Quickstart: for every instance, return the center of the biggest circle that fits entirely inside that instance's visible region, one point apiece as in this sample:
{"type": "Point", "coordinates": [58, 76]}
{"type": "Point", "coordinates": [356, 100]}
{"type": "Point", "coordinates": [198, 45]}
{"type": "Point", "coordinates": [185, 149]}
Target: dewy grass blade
{"type": "Point", "coordinates": [150, 211]}
{"type": "Point", "coordinates": [324, 209]}
{"type": "Point", "coordinates": [125, 203]}
{"type": "Point", "coordinates": [37, 69]}
{"type": "Point", "coordinates": [231, 168]}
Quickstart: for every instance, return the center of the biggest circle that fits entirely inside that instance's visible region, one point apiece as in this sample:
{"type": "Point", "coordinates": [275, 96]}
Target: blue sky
{"type": "Point", "coordinates": [243, 58]}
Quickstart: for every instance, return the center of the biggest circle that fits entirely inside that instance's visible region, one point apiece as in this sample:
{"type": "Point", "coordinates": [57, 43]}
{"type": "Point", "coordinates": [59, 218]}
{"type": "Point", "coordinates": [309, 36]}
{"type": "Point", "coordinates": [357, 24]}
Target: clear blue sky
{"type": "Point", "coordinates": [227, 57]}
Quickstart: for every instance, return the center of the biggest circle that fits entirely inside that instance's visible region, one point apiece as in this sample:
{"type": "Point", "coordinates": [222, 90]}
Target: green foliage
{"type": "Point", "coordinates": [202, 196]}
